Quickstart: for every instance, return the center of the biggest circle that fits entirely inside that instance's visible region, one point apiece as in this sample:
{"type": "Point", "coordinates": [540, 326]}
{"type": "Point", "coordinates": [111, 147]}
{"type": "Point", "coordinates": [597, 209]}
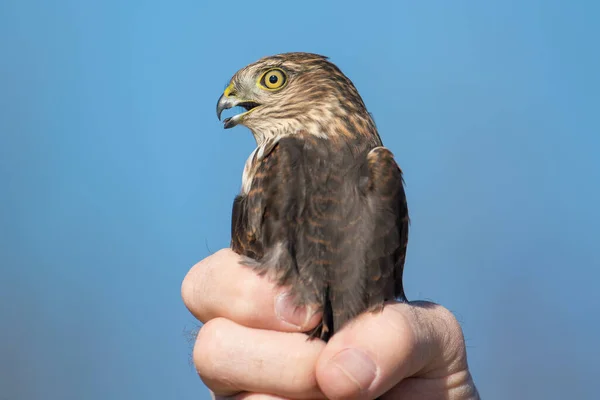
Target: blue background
{"type": "Point", "coordinates": [116, 177]}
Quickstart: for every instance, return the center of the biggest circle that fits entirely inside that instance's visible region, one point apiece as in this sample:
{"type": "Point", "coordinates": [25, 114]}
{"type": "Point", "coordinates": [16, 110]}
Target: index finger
{"type": "Point", "coordinates": [220, 286]}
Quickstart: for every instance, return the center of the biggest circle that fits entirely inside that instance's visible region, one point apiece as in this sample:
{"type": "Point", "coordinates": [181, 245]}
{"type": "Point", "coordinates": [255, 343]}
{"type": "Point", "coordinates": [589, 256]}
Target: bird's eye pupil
{"type": "Point", "coordinates": [273, 79]}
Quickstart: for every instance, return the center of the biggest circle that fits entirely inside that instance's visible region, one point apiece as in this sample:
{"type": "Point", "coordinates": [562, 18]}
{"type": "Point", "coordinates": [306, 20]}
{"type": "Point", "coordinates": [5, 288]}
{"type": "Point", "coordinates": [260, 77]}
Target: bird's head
{"type": "Point", "coordinates": [293, 92]}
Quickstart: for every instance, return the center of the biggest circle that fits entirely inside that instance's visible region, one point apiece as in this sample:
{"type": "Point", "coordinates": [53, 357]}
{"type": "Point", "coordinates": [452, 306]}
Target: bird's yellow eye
{"type": "Point", "coordinates": [273, 79]}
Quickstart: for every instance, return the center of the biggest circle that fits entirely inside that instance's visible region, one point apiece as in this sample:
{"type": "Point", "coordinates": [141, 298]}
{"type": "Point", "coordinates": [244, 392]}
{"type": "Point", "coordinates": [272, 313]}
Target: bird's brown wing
{"type": "Point", "coordinates": [329, 221]}
{"type": "Point", "coordinates": [282, 224]}
{"type": "Point", "coordinates": [388, 198]}
{"type": "Point", "coordinates": [372, 240]}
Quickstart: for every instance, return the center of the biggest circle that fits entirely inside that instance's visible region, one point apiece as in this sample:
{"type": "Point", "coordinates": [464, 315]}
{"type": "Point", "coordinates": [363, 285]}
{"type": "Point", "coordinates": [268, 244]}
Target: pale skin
{"type": "Point", "coordinates": [251, 345]}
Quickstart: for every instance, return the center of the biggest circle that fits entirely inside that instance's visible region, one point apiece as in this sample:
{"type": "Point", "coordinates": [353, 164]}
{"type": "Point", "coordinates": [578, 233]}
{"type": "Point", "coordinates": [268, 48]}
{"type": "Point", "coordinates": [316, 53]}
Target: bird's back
{"type": "Point", "coordinates": [312, 219]}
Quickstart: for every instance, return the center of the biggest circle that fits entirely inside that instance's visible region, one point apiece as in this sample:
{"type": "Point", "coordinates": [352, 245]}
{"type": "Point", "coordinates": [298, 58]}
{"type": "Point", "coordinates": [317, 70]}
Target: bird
{"type": "Point", "coordinates": [322, 207]}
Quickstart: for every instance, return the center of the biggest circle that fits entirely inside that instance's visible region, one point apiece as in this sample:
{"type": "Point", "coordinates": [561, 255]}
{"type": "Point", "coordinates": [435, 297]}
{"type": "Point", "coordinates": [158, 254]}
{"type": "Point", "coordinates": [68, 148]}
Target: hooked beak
{"type": "Point", "coordinates": [227, 101]}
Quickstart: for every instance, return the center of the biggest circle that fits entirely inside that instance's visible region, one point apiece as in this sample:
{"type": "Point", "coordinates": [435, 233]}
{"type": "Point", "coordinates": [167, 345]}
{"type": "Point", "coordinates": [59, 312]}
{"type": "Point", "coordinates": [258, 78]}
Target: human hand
{"type": "Point", "coordinates": [252, 346]}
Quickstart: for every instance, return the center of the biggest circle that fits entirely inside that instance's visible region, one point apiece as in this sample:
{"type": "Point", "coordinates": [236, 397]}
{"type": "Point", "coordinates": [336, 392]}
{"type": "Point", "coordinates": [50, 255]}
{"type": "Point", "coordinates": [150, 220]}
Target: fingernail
{"type": "Point", "coordinates": [288, 312]}
{"type": "Point", "coordinates": [357, 367]}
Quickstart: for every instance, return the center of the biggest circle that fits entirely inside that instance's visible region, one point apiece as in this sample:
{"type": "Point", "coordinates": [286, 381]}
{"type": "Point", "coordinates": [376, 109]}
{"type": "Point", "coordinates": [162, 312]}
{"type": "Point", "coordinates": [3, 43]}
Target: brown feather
{"type": "Point", "coordinates": [339, 243]}
{"type": "Point", "coordinates": [323, 209]}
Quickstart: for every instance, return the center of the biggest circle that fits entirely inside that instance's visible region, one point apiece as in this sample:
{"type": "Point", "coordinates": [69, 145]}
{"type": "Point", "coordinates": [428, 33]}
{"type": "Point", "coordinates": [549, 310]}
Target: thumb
{"type": "Point", "coordinates": [375, 352]}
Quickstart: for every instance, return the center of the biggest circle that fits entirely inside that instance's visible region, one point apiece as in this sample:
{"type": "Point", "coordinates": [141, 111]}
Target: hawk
{"type": "Point", "coordinates": [322, 207]}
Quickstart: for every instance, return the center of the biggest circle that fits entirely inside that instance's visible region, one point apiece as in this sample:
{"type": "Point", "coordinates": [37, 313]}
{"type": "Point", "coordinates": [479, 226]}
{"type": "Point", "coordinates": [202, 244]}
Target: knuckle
{"type": "Point", "coordinates": [453, 330]}
{"type": "Point", "coordinates": [209, 354]}
{"type": "Point", "coordinates": [188, 288]}
{"type": "Point", "coordinates": [196, 286]}
{"type": "Point", "coordinates": [451, 339]}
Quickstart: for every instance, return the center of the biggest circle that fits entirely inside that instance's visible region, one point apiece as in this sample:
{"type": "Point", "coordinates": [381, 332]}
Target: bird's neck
{"type": "Point", "coordinates": [354, 128]}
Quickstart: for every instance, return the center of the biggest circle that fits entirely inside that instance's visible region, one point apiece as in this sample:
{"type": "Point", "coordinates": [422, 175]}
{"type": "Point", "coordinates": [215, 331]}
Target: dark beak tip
{"type": "Point", "coordinates": [227, 123]}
